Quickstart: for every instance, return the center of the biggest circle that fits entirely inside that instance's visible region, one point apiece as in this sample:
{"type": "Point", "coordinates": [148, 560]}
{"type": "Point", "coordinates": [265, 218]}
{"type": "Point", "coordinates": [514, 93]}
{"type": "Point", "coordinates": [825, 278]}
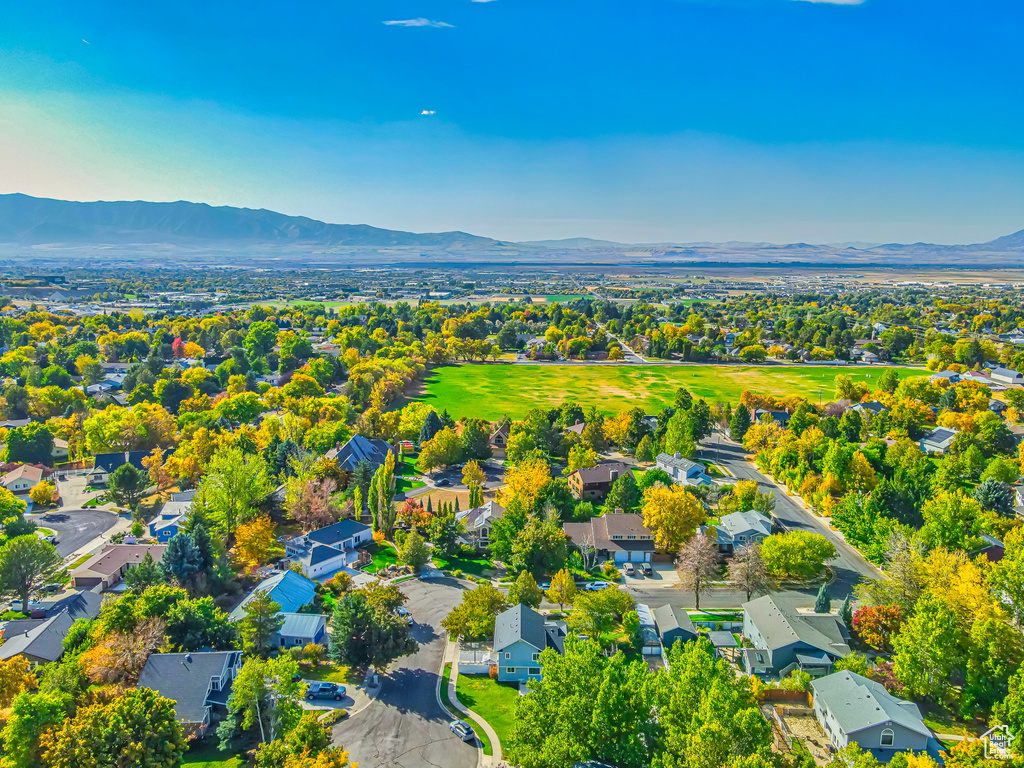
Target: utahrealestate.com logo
{"type": "Point", "coordinates": [997, 743]}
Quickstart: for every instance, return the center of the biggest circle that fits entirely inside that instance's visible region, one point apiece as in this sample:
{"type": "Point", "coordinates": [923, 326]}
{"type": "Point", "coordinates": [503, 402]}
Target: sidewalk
{"type": "Point", "coordinates": [451, 654]}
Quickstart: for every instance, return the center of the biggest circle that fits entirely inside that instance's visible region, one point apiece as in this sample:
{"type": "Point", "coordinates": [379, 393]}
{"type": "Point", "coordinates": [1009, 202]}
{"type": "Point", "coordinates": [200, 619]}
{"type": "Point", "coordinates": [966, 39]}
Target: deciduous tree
{"type": "Point", "coordinates": [672, 514]}
{"type": "Point", "coordinates": [26, 562]}
{"type": "Point", "coordinates": [698, 565]}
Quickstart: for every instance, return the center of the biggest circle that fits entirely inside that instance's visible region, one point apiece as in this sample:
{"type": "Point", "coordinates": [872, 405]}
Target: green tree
{"type": "Point", "coordinates": [265, 695]}
{"type": "Point", "coordinates": [822, 603]}
{"type": "Point", "coordinates": [262, 621]}
{"type": "Point", "coordinates": [930, 649]}
{"type": "Point", "coordinates": [679, 436]}
{"type": "Point", "coordinates": [365, 635]}
{"type": "Point", "coordinates": [138, 728]}
{"type": "Point", "coordinates": [26, 563]}
{"type": "Point", "coordinates": [194, 624]}
{"type": "Point", "coordinates": [414, 551]}
{"type": "Point", "coordinates": [32, 715]}
{"type": "Point", "coordinates": [234, 486]}
{"type": "Point", "coordinates": [952, 520]}
{"type": "Point", "coordinates": [624, 494]}
{"type": "Point", "coordinates": [540, 548]}
{"type": "Point", "coordinates": [995, 496]}
{"type": "Point", "coordinates": [740, 423]}
{"type": "Point", "coordinates": [128, 485]}
{"type": "Point", "coordinates": [525, 591]}
{"type": "Point", "coordinates": [473, 618]}
{"type": "Point", "coordinates": [797, 554]}
{"type": "Point", "coordinates": [31, 444]}
{"type": "Point", "coordinates": [146, 574]}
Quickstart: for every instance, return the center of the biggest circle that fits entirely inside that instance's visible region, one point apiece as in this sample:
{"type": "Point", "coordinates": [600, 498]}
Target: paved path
{"type": "Point", "coordinates": [451, 654]}
{"type": "Point", "coordinates": [405, 726]}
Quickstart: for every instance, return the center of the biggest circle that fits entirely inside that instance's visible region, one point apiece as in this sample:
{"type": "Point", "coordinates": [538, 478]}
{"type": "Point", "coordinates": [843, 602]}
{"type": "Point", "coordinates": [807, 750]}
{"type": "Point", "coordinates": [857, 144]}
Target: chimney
{"type": "Point", "coordinates": [678, 455]}
{"type": "Point", "coordinates": [618, 510]}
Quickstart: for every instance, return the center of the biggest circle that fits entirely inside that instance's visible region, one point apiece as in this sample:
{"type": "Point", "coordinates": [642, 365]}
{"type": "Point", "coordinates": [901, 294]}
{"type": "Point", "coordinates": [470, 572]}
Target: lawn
{"type": "Point", "coordinates": [404, 484]}
{"type": "Point", "coordinates": [207, 754]}
{"type": "Point", "coordinates": [476, 566]}
{"type": "Point", "coordinates": [563, 297]}
{"type": "Point", "coordinates": [333, 673]}
{"type": "Point", "coordinates": [383, 554]}
{"type": "Point", "coordinates": [492, 391]}
{"type": "Point", "coordinates": [495, 702]}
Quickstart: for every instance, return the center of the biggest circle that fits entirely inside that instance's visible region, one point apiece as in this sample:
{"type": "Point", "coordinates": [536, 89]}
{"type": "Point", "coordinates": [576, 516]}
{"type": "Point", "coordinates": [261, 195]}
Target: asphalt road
{"type": "Point", "coordinates": [405, 727]}
{"type": "Point", "coordinates": [75, 527]}
{"type": "Point", "coordinates": [850, 566]}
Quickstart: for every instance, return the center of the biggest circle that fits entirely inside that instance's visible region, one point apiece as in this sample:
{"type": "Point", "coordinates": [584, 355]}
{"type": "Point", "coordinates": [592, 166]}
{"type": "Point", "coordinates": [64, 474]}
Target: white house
{"type": "Point", "coordinates": [682, 471]}
{"type": "Point", "coordinates": [23, 479]}
{"type": "Point", "coordinates": [1007, 376]}
{"type": "Point", "coordinates": [328, 549]}
{"type": "Point", "coordinates": [938, 440]}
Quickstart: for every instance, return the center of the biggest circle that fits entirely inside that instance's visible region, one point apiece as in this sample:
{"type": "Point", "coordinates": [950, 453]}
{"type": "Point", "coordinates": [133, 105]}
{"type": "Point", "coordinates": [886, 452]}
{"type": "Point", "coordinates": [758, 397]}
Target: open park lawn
{"type": "Point", "coordinates": [492, 391]}
{"type": "Point", "coordinates": [495, 702]}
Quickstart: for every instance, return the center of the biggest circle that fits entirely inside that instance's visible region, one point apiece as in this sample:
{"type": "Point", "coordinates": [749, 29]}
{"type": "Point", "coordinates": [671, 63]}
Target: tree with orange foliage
{"type": "Point", "coordinates": [876, 625]}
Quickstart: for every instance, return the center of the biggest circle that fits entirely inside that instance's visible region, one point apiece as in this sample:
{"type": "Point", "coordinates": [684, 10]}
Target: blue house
{"type": "Point", "coordinates": [301, 629]}
{"type": "Point", "coordinates": [520, 634]}
{"type": "Point", "coordinates": [170, 519]}
{"type": "Point", "coordinates": [288, 589]}
{"type": "Point", "coordinates": [785, 637]}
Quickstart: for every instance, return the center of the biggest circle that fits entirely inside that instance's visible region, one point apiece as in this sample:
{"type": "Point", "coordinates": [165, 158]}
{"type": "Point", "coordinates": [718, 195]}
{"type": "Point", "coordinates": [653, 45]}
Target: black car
{"type": "Point", "coordinates": [443, 482]}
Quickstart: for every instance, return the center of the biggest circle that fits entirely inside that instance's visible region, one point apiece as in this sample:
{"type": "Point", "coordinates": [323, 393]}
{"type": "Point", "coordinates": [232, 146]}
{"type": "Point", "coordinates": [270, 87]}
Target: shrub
{"type": "Point", "coordinates": [457, 573]}
{"type": "Point", "coordinates": [333, 716]}
{"type": "Point", "coordinates": [610, 571]}
{"type": "Point", "coordinates": [492, 672]}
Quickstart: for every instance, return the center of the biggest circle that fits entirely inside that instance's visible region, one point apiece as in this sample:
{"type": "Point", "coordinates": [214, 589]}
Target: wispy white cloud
{"type": "Point", "coordinates": [481, 1]}
{"type": "Point", "coordinates": [417, 23]}
{"type": "Point", "coordinates": [429, 112]}
{"type": "Point", "coordinates": [835, 2]}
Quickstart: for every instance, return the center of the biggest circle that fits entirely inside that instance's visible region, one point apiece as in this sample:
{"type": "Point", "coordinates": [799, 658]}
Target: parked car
{"type": "Point", "coordinates": [596, 586]}
{"type": "Point", "coordinates": [405, 615]}
{"type": "Point", "coordinates": [545, 586]}
{"type": "Point", "coordinates": [444, 482]}
{"type": "Point", "coordinates": [320, 690]}
{"type": "Point", "coordinates": [462, 729]}
{"type": "Point", "coordinates": [646, 568]}
{"type": "Point", "coordinates": [628, 569]}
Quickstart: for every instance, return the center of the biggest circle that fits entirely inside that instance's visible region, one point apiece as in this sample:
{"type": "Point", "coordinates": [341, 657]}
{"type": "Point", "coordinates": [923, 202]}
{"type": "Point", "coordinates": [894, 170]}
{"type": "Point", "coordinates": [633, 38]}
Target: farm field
{"type": "Point", "coordinates": [493, 391]}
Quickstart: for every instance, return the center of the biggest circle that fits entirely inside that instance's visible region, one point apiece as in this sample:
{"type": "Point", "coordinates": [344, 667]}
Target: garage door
{"type": "Point", "coordinates": [638, 557]}
{"type": "Point", "coordinates": [621, 557]}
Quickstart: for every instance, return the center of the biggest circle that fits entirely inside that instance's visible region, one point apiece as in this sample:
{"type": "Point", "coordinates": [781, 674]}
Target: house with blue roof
{"type": "Point", "coordinates": [330, 548]}
{"type": "Point", "coordinates": [289, 590]}
{"type": "Point", "coordinates": [301, 629]}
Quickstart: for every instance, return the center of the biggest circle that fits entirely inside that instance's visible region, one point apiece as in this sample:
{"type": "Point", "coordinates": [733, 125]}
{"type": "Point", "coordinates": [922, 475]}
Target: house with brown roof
{"type": "Point", "coordinates": [23, 479]}
{"type": "Point", "coordinates": [618, 536]}
{"type": "Point", "coordinates": [106, 568]}
{"type": "Point", "coordinates": [593, 483]}
{"type": "Point", "coordinates": [499, 438]}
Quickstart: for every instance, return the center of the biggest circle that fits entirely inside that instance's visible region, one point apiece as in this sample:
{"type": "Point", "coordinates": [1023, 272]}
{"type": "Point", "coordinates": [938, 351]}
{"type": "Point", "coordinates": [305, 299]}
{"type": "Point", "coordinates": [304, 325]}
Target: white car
{"type": "Point", "coordinates": [596, 586]}
{"type": "Point", "coordinates": [628, 569]}
{"type": "Point", "coordinates": [462, 729]}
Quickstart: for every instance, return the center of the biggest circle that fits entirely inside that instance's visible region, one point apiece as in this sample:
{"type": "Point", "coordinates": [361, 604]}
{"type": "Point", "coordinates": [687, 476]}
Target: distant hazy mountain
{"type": "Point", "coordinates": [28, 220]}
{"type": "Point", "coordinates": [191, 234]}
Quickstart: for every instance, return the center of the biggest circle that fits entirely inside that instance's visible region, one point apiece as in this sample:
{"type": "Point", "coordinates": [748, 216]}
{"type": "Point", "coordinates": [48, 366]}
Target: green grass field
{"type": "Point", "coordinates": [495, 702]}
{"type": "Point", "coordinates": [207, 754]}
{"type": "Point", "coordinates": [493, 391]}
{"type": "Point", "coordinates": [563, 297]}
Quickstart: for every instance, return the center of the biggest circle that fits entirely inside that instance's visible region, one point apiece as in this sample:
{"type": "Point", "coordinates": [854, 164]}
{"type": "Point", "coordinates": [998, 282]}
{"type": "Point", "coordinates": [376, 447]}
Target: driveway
{"type": "Point", "coordinates": [75, 527]}
{"type": "Point", "coordinates": [405, 726]}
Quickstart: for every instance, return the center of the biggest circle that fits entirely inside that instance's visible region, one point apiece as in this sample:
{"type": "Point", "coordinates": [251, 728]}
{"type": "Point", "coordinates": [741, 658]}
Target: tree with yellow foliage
{"type": "Point", "coordinates": [253, 540]}
{"type": "Point", "coordinates": [672, 514]}
{"type": "Point", "coordinates": [472, 474]}
{"type": "Point", "coordinates": [15, 677]}
{"type": "Point", "coordinates": [523, 483]}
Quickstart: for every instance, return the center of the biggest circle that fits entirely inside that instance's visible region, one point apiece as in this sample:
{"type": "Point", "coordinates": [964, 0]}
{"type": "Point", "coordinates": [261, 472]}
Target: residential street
{"type": "Point", "coordinates": [850, 566]}
{"type": "Point", "coordinates": [75, 528]}
{"type": "Point", "coordinates": [405, 726]}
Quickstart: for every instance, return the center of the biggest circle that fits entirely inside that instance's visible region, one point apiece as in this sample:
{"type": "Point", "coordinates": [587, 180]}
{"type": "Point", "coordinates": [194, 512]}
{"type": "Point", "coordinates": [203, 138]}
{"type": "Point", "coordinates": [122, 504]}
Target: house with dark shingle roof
{"type": "Point", "coordinates": [855, 710]}
{"type": "Point", "coordinates": [618, 536]}
{"type": "Point", "coordinates": [195, 682]}
{"type": "Point", "coordinates": [674, 624]}
{"type": "Point", "coordinates": [682, 471]}
{"type": "Point", "coordinates": [106, 463]}
{"type": "Point", "coordinates": [477, 523]}
{"type": "Point", "coordinates": [359, 448]}
{"type": "Point", "coordinates": [330, 548]}
{"type": "Point", "coordinates": [39, 641]}
{"type": "Point", "coordinates": [520, 634]}
{"type": "Point", "coordinates": [593, 483]}
{"type": "Point", "coordinates": [79, 605]}
{"type": "Point", "coordinates": [786, 637]}
{"type": "Point", "coordinates": [938, 440]}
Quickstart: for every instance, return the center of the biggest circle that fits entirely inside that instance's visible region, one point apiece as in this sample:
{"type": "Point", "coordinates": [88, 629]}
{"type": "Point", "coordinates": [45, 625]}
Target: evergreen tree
{"type": "Point", "coordinates": [740, 423]}
{"type": "Point", "coordinates": [431, 426]}
{"type": "Point", "coordinates": [146, 574]}
{"type": "Point", "coordinates": [822, 604]}
{"type": "Point", "coordinates": [624, 494]}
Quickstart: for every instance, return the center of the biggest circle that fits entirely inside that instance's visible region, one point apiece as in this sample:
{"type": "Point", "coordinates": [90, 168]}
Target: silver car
{"type": "Point", "coordinates": [462, 729]}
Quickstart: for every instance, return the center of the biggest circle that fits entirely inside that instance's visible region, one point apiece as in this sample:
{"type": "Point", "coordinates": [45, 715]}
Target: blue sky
{"type": "Point", "coordinates": [642, 121]}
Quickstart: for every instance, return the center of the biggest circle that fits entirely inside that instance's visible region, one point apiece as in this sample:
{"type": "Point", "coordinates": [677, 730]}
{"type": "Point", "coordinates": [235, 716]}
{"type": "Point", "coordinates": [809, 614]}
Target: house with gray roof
{"type": "Point", "coordinates": [39, 641]}
{"type": "Point", "coordinates": [85, 604]}
{"type": "Point", "coordinates": [196, 683]}
{"type": "Point", "coordinates": [301, 629]}
{"type": "Point", "coordinates": [674, 624]}
{"type": "Point", "coordinates": [520, 634]}
{"type": "Point", "coordinates": [330, 548]}
{"type": "Point", "coordinates": [786, 637]}
{"type": "Point", "coordinates": [855, 710]}
{"type": "Point", "coordinates": [169, 521]}
{"type": "Point", "coordinates": [938, 440]}
{"type": "Point", "coordinates": [477, 523]}
{"type": "Point", "coordinates": [288, 589]}
{"type": "Point", "coordinates": [682, 471]}
{"type": "Point", "coordinates": [739, 529]}
{"type": "Point", "coordinates": [1007, 376]}
{"type": "Point", "coordinates": [873, 407]}
{"type": "Point", "coordinates": [359, 448]}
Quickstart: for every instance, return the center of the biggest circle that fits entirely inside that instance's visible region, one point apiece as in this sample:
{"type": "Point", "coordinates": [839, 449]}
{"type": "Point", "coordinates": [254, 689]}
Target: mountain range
{"type": "Point", "coordinates": [199, 233]}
